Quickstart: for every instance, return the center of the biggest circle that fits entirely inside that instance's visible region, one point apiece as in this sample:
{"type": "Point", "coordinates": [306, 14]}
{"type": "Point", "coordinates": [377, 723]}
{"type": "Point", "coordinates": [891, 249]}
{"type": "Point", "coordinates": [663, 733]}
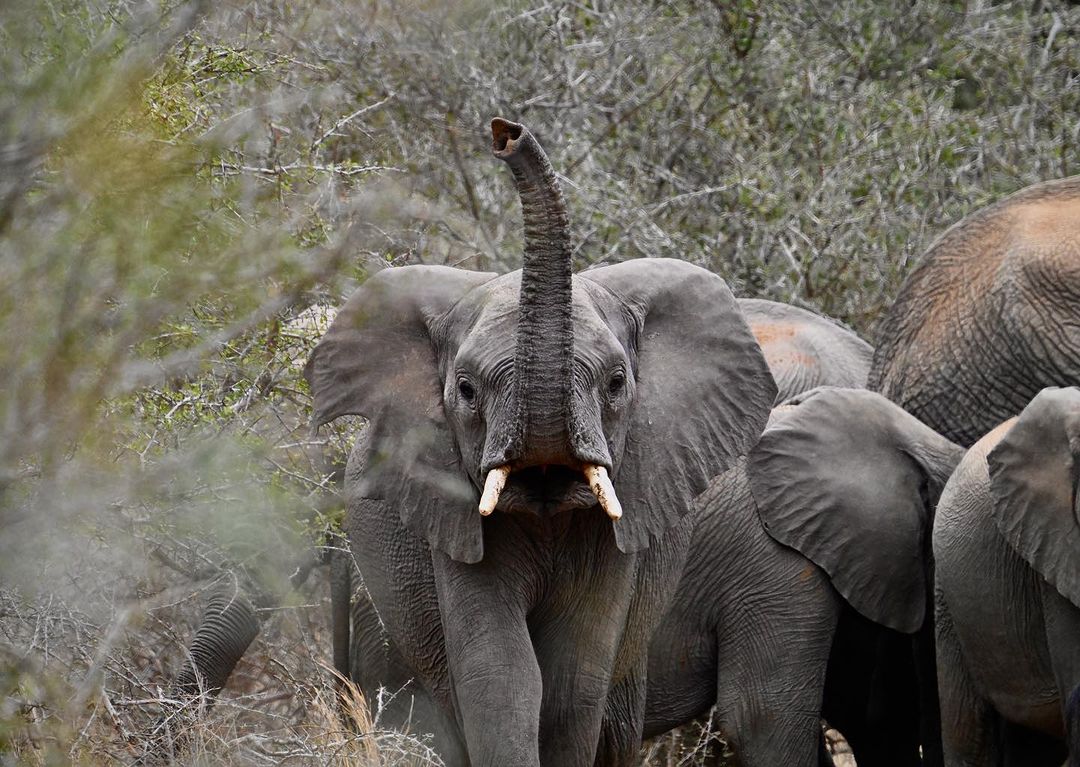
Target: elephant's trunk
{"type": "Point", "coordinates": [229, 625]}
{"type": "Point", "coordinates": [544, 351]}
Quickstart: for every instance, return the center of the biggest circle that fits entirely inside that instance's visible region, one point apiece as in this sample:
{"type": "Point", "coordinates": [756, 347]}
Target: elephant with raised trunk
{"type": "Point", "coordinates": [526, 611]}
{"type": "Point", "coordinates": [990, 315]}
{"type": "Point", "coordinates": [1007, 545]}
{"type": "Point", "coordinates": [516, 507]}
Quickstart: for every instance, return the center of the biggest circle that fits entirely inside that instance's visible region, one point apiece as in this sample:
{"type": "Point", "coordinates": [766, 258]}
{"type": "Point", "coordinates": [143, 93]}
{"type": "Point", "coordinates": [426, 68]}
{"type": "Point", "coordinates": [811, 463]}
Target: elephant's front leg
{"type": "Point", "coordinates": [624, 717]}
{"type": "Point", "coordinates": [576, 653]}
{"type": "Point", "coordinates": [493, 670]}
{"type": "Point", "coordinates": [578, 632]}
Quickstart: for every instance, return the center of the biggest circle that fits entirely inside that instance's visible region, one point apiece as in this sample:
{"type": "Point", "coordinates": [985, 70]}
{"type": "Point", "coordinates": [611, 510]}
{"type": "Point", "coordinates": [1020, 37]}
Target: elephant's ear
{"type": "Point", "coordinates": [848, 479]}
{"type": "Point", "coordinates": [1033, 478]}
{"type": "Point", "coordinates": [703, 389]}
{"type": "Point", "coordinates": [379, 360]}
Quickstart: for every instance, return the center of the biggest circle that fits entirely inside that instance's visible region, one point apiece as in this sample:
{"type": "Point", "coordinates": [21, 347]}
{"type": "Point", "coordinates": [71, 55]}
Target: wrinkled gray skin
{"type": "Point", "coordinates": [805, 350]}
{"type": "Point", "coordinates": [806, 587]}
{"type": "Point", "coordinates": [529, 628]}
{"type": "Point", "coordinates": [800, 597]}
{"type": "Point", "coordinates": [1007, 545]}
{"type": "Point", "coordinates": [990, 315]}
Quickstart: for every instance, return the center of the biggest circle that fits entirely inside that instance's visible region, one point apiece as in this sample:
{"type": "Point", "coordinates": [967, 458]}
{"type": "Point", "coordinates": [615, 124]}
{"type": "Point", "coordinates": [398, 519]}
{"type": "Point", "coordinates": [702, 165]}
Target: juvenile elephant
{"type": "Point", "coordinates": [806, 587]}
{"type": "Point", "coordinates": [805, 350]}
{"type": "Point", "coordinates": [990, 315]}
{"type": "Point", "coordinates": [504, 411]}
{"type": "Point", "coordinates": [802, 594]}
{"type": "Point", "coordinates": [1007, 544]}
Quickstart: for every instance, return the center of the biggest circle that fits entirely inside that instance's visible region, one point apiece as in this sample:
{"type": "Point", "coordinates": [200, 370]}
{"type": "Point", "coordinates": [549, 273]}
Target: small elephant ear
{"type": "Point", "coordinates": [379, 360]}
{"type": "Point", "coordinates": [1033, 480]}
{"type": "Point", "coordinates": [703, 389]}
{"type": "Point", "coordinates": [847, 478]}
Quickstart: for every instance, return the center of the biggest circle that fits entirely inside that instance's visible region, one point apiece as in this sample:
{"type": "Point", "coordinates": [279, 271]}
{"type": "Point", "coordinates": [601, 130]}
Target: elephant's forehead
{"type": "Point", "coordinates": [494, 306]}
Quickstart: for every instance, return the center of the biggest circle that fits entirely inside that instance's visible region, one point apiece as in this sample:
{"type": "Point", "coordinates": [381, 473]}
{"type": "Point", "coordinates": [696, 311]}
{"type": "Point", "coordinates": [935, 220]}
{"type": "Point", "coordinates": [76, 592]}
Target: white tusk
{"type": "Point", "coordinates": [496, 481]}
{"type": "Point", "coordinates": [603, 490]}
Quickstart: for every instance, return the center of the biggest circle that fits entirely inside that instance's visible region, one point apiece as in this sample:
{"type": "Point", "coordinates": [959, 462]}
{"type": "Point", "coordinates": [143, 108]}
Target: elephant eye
{"type": "Point", "coordinates": [466, 390]}
{"type": "Point", "coordinates": [616, 383]}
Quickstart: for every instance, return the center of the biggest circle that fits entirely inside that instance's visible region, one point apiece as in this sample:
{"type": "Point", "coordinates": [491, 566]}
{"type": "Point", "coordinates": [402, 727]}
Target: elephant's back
{"type": "Point", "coordinates": [979, 322]}
{"type": "Point", "coordinates": [992, 597]}
{"type": "Point", "coordinates": [805, 350]}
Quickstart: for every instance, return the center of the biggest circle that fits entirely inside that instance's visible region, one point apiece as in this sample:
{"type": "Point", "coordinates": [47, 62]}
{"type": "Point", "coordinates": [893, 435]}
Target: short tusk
{"type": "Point", "coordinates": [604, 490]}
{"type": "Point", "coordinates": [496, 481]}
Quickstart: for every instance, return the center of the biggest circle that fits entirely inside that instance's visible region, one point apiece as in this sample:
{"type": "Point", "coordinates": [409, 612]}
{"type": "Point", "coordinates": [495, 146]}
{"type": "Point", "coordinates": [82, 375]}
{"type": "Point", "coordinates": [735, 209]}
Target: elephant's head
{"type": "Point", "coordinates": [850, 480]}
{"type": "Point", "coordinates": [1034, 471]}
{"type": "Point", "coordinates": [533, 391]}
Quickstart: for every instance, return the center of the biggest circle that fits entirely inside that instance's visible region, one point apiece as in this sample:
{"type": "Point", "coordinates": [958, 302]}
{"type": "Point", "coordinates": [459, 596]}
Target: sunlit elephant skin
{"type": "Point", "coordinates": [805, 350]}
{"type": "Point", "coordinates": [1007, 548]}
{"type": "Point", "coordinates": [990, 315]}
{"type": "Point", "coordinates": [806, 587]}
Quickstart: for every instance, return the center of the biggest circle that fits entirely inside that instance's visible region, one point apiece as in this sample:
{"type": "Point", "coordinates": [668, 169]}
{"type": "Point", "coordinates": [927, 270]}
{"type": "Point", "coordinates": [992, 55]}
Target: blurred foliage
{"type": "Point", "coordinates": [186, 187]}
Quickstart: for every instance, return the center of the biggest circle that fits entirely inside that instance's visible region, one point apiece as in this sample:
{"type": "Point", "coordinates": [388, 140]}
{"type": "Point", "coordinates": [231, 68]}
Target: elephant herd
{"type": "Point", "coordinates": [588, 508]}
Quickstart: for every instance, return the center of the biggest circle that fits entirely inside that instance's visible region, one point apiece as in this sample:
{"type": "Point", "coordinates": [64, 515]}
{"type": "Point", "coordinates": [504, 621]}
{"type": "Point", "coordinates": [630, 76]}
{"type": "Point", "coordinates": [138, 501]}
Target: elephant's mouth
{"type": "Point", "coordinates": [549, 489]}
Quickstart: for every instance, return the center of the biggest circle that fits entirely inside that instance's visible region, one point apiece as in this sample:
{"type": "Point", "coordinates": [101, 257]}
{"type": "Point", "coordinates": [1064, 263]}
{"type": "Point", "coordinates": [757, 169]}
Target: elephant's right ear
{"type": "Point", "coordinates": [379, 360]}
{"type": "Point", "coordinates": [1033, 482]}
{"type": "Point", "coordinates": [849, 479]}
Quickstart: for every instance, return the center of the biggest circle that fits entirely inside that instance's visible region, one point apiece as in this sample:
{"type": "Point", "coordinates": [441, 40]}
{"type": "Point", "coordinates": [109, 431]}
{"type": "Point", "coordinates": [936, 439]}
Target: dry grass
{"type": "Point", "coordinates": [280, 707]}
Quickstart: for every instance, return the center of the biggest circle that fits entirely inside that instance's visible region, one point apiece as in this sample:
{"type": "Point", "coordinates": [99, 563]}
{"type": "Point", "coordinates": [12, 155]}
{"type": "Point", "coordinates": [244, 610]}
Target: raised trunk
{"type": "Point", "coordinates": [544, 352]}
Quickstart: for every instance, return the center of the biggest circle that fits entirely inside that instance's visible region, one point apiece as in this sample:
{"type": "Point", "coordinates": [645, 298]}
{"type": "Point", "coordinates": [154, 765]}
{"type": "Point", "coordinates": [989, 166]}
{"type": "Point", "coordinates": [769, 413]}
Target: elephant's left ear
{"type": "Point", "coordinates": [1033, 482]}
{"type": "Point", "coordinates": [849, 480]}
{"type": "Point", "coordinates": [703, 388]}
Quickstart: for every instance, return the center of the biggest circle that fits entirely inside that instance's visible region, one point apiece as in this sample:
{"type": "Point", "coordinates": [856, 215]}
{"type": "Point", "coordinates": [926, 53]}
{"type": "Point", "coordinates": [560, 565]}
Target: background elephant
{"type": "Point", "coordinates": [529, 626]}
{"type": "Point", "coordinates": [802, 594]}
{"type": "Point", "coordinates": [1008, 590]}
{"type": "Point", "coordinates": [989, 316]}
{"type": "Point", "coordinates": [805, 350]}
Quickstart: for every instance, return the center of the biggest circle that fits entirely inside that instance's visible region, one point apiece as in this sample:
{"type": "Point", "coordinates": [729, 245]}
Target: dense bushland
{"type": "Point", "coordinates": [186, 187]}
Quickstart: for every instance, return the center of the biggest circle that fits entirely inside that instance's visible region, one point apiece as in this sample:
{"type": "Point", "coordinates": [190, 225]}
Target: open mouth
{"type": "Point", "coordinates": [550, 488]}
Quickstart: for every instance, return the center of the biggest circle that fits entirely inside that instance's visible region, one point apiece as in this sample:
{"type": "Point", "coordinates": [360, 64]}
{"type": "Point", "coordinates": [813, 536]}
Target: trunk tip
{"type": "Point", "coordinates": [504, 135]}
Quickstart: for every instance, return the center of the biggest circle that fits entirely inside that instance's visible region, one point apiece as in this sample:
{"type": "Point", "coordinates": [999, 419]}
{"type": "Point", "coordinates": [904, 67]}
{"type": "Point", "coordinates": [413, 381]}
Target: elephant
{"type": "Point", "coordinates": [1007, 591]}
{"type": "Point", "coordinates": [806, 591]}
{"type": "Point", "coordinates": [989, 316]}
{"type": "Point", "coordinates": [805, 350]}
{"type": "Point", "coordinates": [530, 394]}
{"type": "Point", "coordinates": [517, 585]}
